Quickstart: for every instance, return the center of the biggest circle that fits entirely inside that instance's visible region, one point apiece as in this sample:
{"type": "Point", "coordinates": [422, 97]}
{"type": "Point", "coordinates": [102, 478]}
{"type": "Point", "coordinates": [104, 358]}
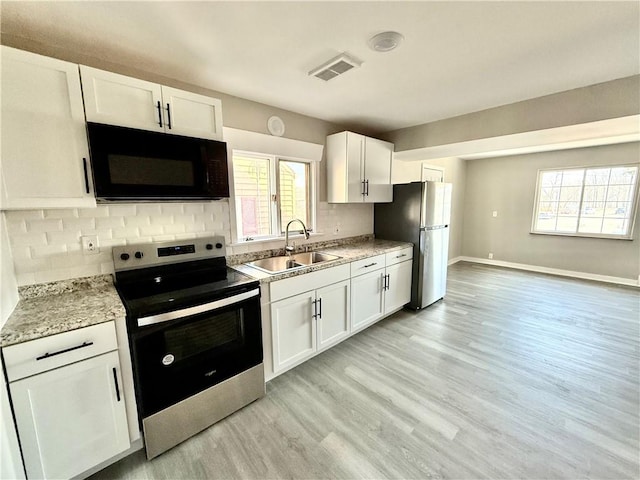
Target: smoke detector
{"type": "Point", "coordinates": [334, 67]}
{"type": "Point", "coordinates": [385, 41]}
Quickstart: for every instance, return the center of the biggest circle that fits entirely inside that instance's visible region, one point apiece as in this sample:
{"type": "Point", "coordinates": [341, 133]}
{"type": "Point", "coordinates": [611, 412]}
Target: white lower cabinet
{"type": "Point", "coordinates": [312, 312]}
{"type": "Point", "coordinates": [398, 292]}
{"type": "Point", "coordinates": [367, 299]}
{"type": "Point", "coordinates": [69, 417]}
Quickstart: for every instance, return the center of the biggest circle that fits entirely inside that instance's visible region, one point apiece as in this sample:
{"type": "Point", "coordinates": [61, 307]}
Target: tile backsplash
{"type": "Point", "coordinates": [46, 244]}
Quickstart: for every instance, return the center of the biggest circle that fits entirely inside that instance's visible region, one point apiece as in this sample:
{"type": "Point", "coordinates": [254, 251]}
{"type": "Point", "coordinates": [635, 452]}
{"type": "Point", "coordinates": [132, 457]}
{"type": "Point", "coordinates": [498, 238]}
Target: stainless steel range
{"type": "Point", "coordinates": [195, 336]}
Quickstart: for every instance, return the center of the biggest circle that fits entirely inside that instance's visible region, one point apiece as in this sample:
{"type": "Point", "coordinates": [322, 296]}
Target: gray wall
{"type": "Point", "coordinates": [508, 185]}
{"type": "Point", "coordinates": [617, 98]}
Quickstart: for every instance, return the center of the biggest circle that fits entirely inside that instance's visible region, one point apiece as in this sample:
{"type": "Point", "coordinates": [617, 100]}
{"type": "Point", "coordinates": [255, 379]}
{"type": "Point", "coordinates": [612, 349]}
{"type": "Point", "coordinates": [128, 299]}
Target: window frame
{"type": "Point", "coordinates": [274, 191]}
{"type": "Point", "coordinates": [634, 203]}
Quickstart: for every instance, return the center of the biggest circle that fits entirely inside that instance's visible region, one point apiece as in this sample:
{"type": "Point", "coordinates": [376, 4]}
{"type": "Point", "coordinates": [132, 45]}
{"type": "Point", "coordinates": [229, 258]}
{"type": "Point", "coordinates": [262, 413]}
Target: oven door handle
{"type": "Point", "coordinates": [205, 307]}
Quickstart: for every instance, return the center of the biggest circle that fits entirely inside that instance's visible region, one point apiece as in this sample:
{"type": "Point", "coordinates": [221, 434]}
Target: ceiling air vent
{"type": "Point", "coordinates": [334, 67]}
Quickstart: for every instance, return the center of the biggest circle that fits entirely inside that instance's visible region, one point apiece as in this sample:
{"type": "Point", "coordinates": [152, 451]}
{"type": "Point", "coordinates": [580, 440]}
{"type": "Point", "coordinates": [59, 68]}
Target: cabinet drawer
{"type": "Point", "coordinates": [30, 358]}
{"type": "Point", "coordinates": [398, 256]}
{"type": "Point", "coordinates": [310, 281]}
{"type": "Point", "coordinates": [366, 265]}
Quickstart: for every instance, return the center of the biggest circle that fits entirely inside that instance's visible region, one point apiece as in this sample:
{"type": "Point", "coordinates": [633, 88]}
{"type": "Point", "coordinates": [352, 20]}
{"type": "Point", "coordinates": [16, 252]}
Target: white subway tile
{"type": "Point", "coordinates": [29, 239]}
{"type": "Point", "coordinates": [109, 222]}
{"type": "Point", "coordinates": [148, 209]}
{"type": "Point", "coordinates": [102, 234]}
{"type": "Point", "coordinates": [31, 265]}
{"type": "Point", "coordinates": [99, 211]}
{"type": "Point", "coordinates": [122, 210]}
{"type": "Point", "coordinates": [174, 229]}
{"type": "Point", "coordinates": [191, 208]}
{"type": "Point", "coordinates": [16, 226]}
{"type": "Point", "coordinates": [163, 238]}
{"type": "Point", "coordinates": [61, 213]}
{"type": "Point", "coordinates": [172, 208]}
{"type": "Point", "coordinates": [135, 241]}
{"type": "Point", "coordinates": [184, 219]}
{"type": "Point", "coordinates": [195, 227]}
{"type": "Point", "coordinates": [151, 230]}
{"type": "Point", "coordinates": [24, 214]}
{"type": "Point", "coordinates": [111, 242]}
{"type": "Point", "coordinates": [56, 238]}
{"type": "Point", "coordinates": [66, 261]}
{"type": "Point", "coordinates": [184, 236]}
{"type": "Point", "coordinates": [161, 219]}
{"type": "Point", "coordinates": [137, 221]}
{"type": "Point", "coordinates": [20, 252]}
{"type": "Point", "coordinates": [106, 268]}
{"type": "Point", "coordinates": [126, 232]}
{"type": "Point", "coordinates": [48, 225]}
{"type": "Point", "coordinates": [48, 250]}
{"type": "Point", "coordinates": [78, 223]}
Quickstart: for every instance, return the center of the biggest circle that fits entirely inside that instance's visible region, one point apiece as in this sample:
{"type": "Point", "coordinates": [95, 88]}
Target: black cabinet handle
{"type": "Point", "coordinates": [86, 175]}
{"type": "Point", "coordinates": [320, 314]}
{"type": "Point", "coordinates": [115, 380]}
{"type": "Point", "coordinates": [370, 265]}
{"type": "Point", "coordinates": [363, 190]}
{"type": "Point", "coordinates": [159, 114]}
{"type": "Point", "coordinates": [388, 281]}
{"type": "Point", "coordinates": [315, 309]}
{"type": "Point", "coordinates": [48, 355]}
{"type": "Point", "coordinates": [366, 182]}
{"type": "Point", "coordinates": [168, 116]}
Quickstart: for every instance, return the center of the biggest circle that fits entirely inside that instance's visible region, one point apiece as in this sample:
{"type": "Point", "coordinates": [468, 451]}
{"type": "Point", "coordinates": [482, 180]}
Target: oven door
{"type": "Point", "coordinates": [180, 353]}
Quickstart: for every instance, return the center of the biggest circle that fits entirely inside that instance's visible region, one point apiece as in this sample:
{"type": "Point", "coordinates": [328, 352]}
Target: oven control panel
{"type": "Point", "coordinates": [159, 253]}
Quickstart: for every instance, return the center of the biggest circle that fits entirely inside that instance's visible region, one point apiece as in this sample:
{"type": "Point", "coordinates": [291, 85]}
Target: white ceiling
{"type": "Point", "coordinates": [457, 57]}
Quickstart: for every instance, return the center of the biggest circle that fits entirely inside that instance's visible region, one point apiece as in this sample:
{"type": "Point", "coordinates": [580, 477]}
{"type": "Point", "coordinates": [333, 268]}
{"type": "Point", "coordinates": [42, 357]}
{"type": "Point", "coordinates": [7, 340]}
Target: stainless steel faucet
{"type": "Point", "coordinates": [288, 248]}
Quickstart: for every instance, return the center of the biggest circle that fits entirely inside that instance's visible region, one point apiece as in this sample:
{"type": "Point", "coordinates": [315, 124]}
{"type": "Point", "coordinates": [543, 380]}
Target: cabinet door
{"type": "Point", "coordinates": [72, 418]}
{"type": "Point", "coordinates": [191, 114]}
{"type": "Point", "coordinates": [120, 100]}
{"type": "Point", "coordinates": [377, 170]}
{"type": "Point", "coordinates": [399, 282]}
{"type": "Point", "coordinates": [44, 139]}
{"type": "Point", "coordinates": [293, 330]}
{"type": "Point", "coordinates": [333, 314]}
{"type": "Point", "coordinates": [366, 299]}
{"type": "Point", "coordinates": [355, 167]}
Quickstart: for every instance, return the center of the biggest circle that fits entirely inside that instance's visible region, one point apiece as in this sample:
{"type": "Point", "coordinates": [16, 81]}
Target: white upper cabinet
{"type": "Point", "coordinates": [44, 141]}
{"type": "Point", "coordinates": [358, 169]}
{"type": "Point", "coordinates": [116, 99]}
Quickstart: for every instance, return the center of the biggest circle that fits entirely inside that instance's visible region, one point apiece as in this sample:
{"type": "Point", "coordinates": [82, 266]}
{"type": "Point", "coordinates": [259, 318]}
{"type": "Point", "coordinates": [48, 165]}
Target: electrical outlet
{"type": "Point", "coordinates": [491, 256]}
{"type": "Point", "coordinates": [90, 244]}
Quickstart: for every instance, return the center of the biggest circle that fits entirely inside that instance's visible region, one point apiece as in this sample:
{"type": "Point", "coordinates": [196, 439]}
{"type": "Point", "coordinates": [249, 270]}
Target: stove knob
{"type": "Point", "coordinates": [209, 246]}
{"type": "Point", "coordinates": [218, 245]}
{"type": "Point", "coordinates": [138, 255]}
{"type": "Point", "coordinates": [124, 256]}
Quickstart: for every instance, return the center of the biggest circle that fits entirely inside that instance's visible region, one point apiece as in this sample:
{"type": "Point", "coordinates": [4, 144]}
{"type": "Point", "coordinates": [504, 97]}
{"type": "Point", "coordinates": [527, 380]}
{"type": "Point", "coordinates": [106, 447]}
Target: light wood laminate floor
{"type": "Point", "coordinates": [513, 375]}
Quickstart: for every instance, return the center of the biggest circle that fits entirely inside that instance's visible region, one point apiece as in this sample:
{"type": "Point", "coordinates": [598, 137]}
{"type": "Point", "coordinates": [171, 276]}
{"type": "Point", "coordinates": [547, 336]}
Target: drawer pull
{"type": "Point", "coordinates": [400, 256]}
{"type": "Point", "coordinates": [370, 265]}
{"type": "Point", "coordinates": [48, 355]}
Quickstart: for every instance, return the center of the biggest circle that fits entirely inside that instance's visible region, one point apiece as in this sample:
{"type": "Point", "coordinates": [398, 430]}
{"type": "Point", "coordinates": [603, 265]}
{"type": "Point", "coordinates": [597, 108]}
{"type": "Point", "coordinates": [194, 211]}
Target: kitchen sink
{"type": "Point", "coordinates": [285, 263]}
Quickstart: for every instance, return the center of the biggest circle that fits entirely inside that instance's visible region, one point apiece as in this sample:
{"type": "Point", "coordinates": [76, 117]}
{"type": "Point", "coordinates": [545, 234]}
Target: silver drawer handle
{"type": "Point", "coordinates": [370, 265]}
{"type": "Point", "coordinates": [48, 355]}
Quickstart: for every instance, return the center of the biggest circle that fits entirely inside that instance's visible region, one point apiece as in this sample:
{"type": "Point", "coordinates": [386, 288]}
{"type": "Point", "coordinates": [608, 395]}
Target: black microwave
{"type": "Point", "coordinates": [138, 165]}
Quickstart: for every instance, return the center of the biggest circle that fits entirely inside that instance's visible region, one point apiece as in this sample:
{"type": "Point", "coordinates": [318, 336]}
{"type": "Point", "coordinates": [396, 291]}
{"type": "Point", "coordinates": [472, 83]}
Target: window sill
{"type": "Point", "coordinates": [258, 241]}
{"type": "Point", "coordinates": [584, 235]}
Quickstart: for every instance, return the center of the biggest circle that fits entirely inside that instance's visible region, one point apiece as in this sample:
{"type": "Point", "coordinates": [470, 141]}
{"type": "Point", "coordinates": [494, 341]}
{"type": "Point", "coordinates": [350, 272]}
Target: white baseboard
{"type": "Point", "coordinates": [551, 271]}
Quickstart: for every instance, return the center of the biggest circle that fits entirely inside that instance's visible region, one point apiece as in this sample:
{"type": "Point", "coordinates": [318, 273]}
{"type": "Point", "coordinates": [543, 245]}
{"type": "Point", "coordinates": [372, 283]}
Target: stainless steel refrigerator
{"type": "Point", "coordinates": [420, 214]}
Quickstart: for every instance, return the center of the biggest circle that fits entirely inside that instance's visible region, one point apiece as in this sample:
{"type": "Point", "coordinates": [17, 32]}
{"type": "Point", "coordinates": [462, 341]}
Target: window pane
{"type": "Point", "coordinates": [623, 175]}
{"type": "Point", "coordinates": [567, 224]}
{"type": "Point", "coordinates": [614, 227]}
{"type": "Point", "coordinates": [549, 194]}
{"type": "Point", "coordinates": [597, 176]}
{"type": "Point", "coordinates": [293, 188]}
{"type": "Point", "coordinates": [620, 193]}
{"type": "Point", "coordinates": [552, 178]}
{"type": "Point", "coordinates": [251, 181]}
{"type": "Point", "coordinates": [594, 194]}
{"type": "Point", "coordinates": [570, 194]}
{"type": "Point", "coordinates": [590, 225]}
{"type": "Point", "coordinates": [572, 177]}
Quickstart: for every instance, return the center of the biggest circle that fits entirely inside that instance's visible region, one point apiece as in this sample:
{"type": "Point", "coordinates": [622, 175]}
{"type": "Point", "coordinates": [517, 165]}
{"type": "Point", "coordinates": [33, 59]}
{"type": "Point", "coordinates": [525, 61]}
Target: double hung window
{"type": "Point", "coordinates": [592, 202]}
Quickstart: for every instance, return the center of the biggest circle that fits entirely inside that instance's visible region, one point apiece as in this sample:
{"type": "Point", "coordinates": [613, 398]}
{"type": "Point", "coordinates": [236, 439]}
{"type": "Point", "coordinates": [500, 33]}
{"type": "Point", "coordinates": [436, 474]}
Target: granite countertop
{"type": "Point", "coordinates": [58, 307]}
{"type": "Point", "coordinates": [348, 252]}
